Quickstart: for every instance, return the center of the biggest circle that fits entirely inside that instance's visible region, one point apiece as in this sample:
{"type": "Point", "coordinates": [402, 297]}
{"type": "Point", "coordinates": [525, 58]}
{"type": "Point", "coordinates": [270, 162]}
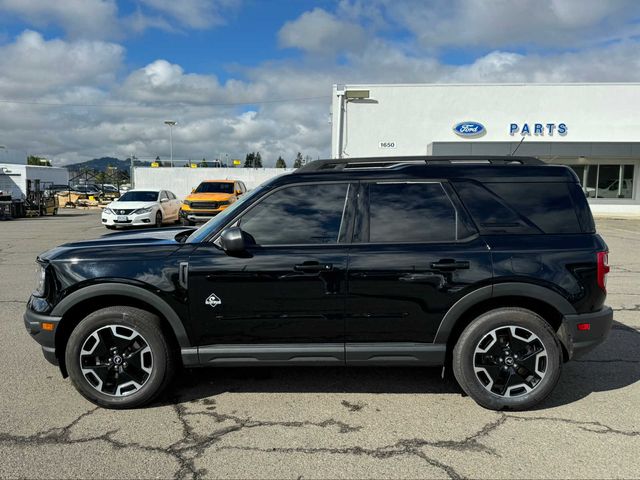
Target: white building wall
{"type": "Point", "coordinates": [181, 180]}
{"type": "Point", "coordinates": [413, 116]}
{"type": "Point", "coordinates": [14, 177]}
{"type": "Point", "coordinates": [404, 119]}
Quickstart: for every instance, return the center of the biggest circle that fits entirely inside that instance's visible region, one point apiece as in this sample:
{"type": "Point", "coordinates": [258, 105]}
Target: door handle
{"type": "Point", "coordinates": [450, 264]}
{"type": "Point", "coordinates": [183, 274]}
{"type": "Point", "coordinates": [313, 267]}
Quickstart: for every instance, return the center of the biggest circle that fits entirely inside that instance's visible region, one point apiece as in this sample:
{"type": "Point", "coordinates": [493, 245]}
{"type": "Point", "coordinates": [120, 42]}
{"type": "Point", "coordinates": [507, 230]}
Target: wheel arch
{"type": "Point", "coordinates": [89, 299]}
{"type": "Point", "coordinates": [550, 305]}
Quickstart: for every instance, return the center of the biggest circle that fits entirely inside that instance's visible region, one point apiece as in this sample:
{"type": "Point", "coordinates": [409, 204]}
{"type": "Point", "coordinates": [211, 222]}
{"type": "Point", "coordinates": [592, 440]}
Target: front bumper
{"type": "Point", "coordinates": [132, 220]}
{"type": "Point", "coordinates": [46, 338]}
{"type": "Point", "coordinates": [579, 342]}
{"type": "Point", "coordinates": [199, 215]}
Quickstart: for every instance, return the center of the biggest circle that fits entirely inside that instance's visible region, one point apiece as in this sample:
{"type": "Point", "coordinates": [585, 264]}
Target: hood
{"type": "Point", "coordinates": [211, 197]}
{"type": "Point", "coordinates": [130, 205]}
{"type": "Point", "coordinates": [161, 241]}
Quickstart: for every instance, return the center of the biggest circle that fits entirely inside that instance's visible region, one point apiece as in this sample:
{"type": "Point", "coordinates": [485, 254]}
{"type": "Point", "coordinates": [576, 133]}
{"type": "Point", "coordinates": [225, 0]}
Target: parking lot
{"type": "Point", "coordinates": [315, 423]}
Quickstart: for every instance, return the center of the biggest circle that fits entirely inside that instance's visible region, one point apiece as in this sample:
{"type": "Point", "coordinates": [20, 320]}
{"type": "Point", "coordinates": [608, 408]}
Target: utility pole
{"type": "Point", "coordinates": [133, 159]}
{"type": "Point", "coordinates": [171, 124]}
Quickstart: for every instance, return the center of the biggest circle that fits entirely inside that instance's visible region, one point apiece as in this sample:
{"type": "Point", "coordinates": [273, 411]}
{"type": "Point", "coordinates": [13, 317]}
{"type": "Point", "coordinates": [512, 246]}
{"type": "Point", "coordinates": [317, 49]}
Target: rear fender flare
{"type": "Point", "coordinates": [509, 289]}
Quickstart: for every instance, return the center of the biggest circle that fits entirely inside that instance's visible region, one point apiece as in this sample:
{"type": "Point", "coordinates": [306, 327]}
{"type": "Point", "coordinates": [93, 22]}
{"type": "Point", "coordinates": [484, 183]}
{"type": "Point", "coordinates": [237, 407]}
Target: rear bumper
{"type": "Point", "coordinates": [579, 342]}
{"type": "Point", "coordinates": [46, 338]}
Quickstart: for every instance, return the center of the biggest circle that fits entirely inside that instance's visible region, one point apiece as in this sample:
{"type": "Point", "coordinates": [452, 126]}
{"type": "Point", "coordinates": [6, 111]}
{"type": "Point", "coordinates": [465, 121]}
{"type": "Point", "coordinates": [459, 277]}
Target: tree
{"type": "Point", "coordinates": [41, 161]}
{"type": "Point", "coordinates": [253, 160]}
{"type": "Point", "coordinates": [297, 163]}
{"type": "Point", "coordinates": [280, 163]}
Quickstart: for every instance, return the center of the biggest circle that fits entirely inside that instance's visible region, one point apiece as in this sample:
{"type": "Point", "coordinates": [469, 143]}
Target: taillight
{"type": "Point", "coordinates": [603, 269]}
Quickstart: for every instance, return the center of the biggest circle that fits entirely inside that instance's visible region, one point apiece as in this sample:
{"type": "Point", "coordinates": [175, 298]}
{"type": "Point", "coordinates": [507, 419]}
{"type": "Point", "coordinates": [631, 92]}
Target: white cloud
{"type": "Point", "coordinates": [320, 32]}
{"type": "Point", "coordinates": [32, 65]}
{"type": "Point", "coordinates": [482, 24]}
{"type": "Point", "coordinates": [81, 71]}
{"type": "Point", "coordinates": [198, 14]}
{"type": "Point", "coordinates": [101, 18]}
{"type": "Point", "coordinates": [80, 18]}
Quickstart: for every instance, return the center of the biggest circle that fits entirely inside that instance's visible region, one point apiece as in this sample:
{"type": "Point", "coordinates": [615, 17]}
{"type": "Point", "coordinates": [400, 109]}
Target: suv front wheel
{"type": "Point", "coordinates": [508, 358]}
{"type": "Point", "coordinates": [117, 357]}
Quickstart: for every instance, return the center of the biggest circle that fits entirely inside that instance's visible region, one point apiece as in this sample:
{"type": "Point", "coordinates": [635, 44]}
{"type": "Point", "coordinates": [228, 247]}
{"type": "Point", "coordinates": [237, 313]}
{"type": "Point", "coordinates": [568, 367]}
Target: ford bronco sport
{"type": "Point", "coordinates": [489, 265]}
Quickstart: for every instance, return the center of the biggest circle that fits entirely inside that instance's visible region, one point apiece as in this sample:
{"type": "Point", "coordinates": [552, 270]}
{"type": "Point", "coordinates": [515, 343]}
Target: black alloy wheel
{"type": "Point", "coordinates": [116, 360]}
{"type": "Point", "coordinates": [510, 361]}
{"type": "Point", "coordinates": [119, 357]}
{"type": "Point", "coordinates": [508, 358]}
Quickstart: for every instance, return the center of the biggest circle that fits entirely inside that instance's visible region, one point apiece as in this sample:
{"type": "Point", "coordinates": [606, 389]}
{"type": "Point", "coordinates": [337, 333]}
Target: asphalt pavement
{"type": "Point", "coordinates": [314, 423]}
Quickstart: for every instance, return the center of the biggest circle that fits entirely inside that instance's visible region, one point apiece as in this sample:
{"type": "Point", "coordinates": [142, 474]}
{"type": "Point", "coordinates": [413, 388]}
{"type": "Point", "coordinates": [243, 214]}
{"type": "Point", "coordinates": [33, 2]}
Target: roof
{"type": "Point", "coordinates": [487, 168]}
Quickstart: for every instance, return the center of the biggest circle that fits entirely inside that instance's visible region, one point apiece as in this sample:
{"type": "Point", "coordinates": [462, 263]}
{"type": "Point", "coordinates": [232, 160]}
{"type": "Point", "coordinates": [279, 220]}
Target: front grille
{"type": "Point", "coordinates": [122, 211]}
{"type": "Point", "coordinates": [205, 205]}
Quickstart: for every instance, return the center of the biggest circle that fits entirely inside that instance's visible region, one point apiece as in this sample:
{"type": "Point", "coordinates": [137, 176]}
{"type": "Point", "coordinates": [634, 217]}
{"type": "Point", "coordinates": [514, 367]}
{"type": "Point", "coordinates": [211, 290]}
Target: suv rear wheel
{"type": "Point", "coordinates": [508, 358]}
{"type": "Point", "coordinates": [117, 357]}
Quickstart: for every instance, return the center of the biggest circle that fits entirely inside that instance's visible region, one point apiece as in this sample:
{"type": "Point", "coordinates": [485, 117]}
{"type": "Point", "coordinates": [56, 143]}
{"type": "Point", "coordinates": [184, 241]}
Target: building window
{"type": "Point", "coordinates": [606, 181]}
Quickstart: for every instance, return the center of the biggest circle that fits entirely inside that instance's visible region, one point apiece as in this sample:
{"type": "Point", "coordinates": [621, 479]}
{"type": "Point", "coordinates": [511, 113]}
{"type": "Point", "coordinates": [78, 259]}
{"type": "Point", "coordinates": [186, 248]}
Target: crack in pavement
{"type": "Point", "coordinates": [582, 425]}
{"type": "Point", "coordinates": [192, 445]}
{"type": "Point", "coordinates": [402, 447]}
{"type": "Point", "coordinates": [635, 308]}
{"type": "Point", "coordinates": [353, 407]}
{"type": "Point", "coordinates": [608, 360]}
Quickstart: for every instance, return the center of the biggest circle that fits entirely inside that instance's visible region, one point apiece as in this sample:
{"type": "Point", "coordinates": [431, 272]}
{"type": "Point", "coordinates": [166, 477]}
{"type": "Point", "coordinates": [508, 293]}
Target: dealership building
{"type": "Point", "coordinates": [593, 128]}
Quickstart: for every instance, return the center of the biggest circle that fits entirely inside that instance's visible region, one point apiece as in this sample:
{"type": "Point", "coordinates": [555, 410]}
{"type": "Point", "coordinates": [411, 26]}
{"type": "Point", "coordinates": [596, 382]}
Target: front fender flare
{"type": "Point", "coordinates": [130, 291]}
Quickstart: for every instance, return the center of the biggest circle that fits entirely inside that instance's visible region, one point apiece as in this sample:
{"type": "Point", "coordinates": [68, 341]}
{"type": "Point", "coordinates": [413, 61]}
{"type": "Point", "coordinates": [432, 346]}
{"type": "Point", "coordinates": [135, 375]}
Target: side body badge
{"type": "Point", "coordinates": [213, 301]}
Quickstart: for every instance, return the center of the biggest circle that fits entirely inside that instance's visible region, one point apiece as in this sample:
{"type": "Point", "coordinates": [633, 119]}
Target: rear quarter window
{"type": "Point", "coordinates": [547, 205]}
{"type": "Point", "coordinates": [521, 208]}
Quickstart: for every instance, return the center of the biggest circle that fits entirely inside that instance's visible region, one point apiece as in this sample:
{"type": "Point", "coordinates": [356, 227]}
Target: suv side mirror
{"type": "Point", "coordinates": [232, 241]}
{"type": "Point", "coordinates": [238, 192]}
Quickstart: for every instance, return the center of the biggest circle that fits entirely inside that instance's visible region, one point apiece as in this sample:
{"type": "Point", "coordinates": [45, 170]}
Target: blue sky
{"type": "Point", "coordinates": [132, 63]}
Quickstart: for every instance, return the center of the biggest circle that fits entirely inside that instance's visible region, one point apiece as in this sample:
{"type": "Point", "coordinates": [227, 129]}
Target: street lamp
{"type": "Point", "coordinates": [344, 97]}
{"type": "Point", "coordinates": [171, 124]}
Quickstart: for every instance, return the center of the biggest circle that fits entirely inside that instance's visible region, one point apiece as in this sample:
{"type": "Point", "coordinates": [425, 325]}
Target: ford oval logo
{"type": "Point", "coordinates": [469, 129]}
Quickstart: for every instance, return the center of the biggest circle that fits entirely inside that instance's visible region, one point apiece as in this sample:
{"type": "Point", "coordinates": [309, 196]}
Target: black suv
{"type": "Point", "coordinates": [489, 265]}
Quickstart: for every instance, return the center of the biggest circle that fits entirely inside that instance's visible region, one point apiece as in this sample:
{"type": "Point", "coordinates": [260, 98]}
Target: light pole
{"type": "Point", "coordinates": [344, 97]}
{"type": "Point", "coordinates": [171, 124]}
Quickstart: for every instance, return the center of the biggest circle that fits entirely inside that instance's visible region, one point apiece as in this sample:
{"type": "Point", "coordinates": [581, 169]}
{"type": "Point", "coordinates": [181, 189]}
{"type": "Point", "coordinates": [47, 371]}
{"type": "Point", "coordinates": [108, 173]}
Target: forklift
{"type": "Point", "coordinates": [41, 199]}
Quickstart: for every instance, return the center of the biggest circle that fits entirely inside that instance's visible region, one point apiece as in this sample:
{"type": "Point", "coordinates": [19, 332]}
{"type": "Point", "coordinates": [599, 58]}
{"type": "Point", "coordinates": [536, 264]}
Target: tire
{"type": "Point", "coordinates": [158, 219]}
{"type": "Point", "coordinates": [114, 383]}
{"type": "Point", "coordinates": [188, 223]}
{"type": "Point", "coordinates": [110, 227]}
{"type": "Point", "coordinates": [508, 359]}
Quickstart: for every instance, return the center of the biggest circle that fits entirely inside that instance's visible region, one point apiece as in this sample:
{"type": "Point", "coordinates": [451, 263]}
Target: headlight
{"type": "Point", "coordinates": [108, 211]}
{"type": "Point", "coordinates": [143, 210]}
{"type": "Point", "coordinates": [41, 275]}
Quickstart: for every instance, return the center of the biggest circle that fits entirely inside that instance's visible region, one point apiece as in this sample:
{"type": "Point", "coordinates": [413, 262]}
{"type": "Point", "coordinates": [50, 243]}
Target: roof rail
{"type": "Point", "coordinates": [393, 162]}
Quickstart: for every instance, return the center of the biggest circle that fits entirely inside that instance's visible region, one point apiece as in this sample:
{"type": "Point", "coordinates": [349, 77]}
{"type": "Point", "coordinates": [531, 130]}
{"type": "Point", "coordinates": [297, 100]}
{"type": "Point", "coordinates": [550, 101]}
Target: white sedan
{"type": "Point", "coordinates": [138, 208]}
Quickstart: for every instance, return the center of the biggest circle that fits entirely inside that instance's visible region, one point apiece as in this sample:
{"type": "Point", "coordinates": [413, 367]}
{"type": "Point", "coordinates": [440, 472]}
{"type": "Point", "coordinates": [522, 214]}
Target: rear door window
{"type": "Point", "coordinates": [411, 213]}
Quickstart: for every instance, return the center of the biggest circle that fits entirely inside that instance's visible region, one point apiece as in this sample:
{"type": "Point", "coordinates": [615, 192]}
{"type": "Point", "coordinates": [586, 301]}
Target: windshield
{"type": "Point", "coordinates": [215, 187]}
{"type": "Point", "coordinates": [139, 197]}
{"type": "Point", "coordinates": [212, 225]}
